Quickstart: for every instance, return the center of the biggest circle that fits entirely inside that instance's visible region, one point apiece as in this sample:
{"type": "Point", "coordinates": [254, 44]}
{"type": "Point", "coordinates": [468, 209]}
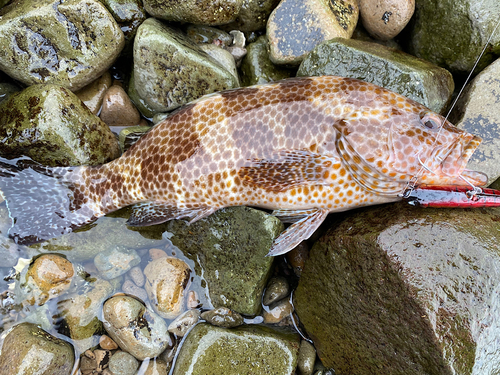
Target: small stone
{"type": "Point", "coordinates": [206, 34]}
{"type": "Point", "coordinates": [277, 312]}
{"type": "Point", "coordinates": [92, 94]}
{"type": "Point", "coordinates": [131, 134]}
{"type": "Point", "coordinates": [123, 363]}
{"type": "Point", "coordinates": [116, 261]}
{"type": "Point", "coordinates": [193, 301]}
{"type": "Point", "coordinates": [130, 288]}
{"type": "Point", "coordinates": [166, 279]}
{"type": "Point", "coordinates": [157, 367]}
{"type": "Point", "coordinates": [307, 358]}
{"type": "Point", "coordinates": [107, 343]}
{"type": "Point", "coordinates": [225, 58]}
{"type": "Point", "coordinates": [183, 323]}
{"type": "Point", "coordinates": [277, 289]}
{"type": "Point", "coordinates": [88, 364]}
{"type": "Point", "coordinates": [102, 358]}
{"type": "Point", "coordinates": [297, 257]}
{"type": "Point", "coordinates": [157, 254]}
{"type": "Point", "coordinates": [384, 19]}
{"type": "Point", "coordinates": [137, 276]}
{"type": "Point", "coordinates": [223, 317]}
{"type": "Point", "coordinates": [118, 109]}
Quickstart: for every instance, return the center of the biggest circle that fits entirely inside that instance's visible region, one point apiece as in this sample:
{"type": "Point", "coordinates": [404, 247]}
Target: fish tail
{"type": "Point", "coordinates": [45, 202]}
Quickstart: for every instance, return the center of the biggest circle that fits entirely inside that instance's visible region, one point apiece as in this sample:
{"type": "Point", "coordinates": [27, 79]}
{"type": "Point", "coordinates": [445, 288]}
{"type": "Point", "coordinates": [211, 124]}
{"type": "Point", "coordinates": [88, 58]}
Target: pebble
{"type": "Point", "coordinates": [137, 276]}
{"type": "Point", "coordinates": [277, 289]}
{"type": "Point", "coordinates": [118, 109]}
{"type": "Point", "coordinates": [307, 358]}
{"type": "Point", "coordinates": [157, 367]}
{"type": "Point", "coordinates": [107, 343]}
{"type": "Point", "coordinates": [384, 19]}
{"type": "Point", "coordinates": [223, 317]}
{"type": "Point", "coordinates": [94, 362]}
{"type": "Point", "coordinates": [297, 257]}
{"type": "Point", "coordinates": [116, 261]}
{"type": "Point", "coordinates": [193, 301]}
{"type": "Point", "coordinates": [130, 288]}
{"type": "Point", "coordinates": [157, 254]}
{"type": "Point", "coordinates": [277, 312]}
{"type": "Point", "coordinates": [135, 329]}
{"type": "Point", "coordinates": [206, 34]}
{"type": "Point", "coordinates": [183, 323]}
{"type": "Point", "coordinates": [123, 363]}
{"type": "Point", "coordinates": [166, 279]}
{"type": "Point", "coordinates": [92, 94]}
{"type": "Point", "coordinates": [225, 58]}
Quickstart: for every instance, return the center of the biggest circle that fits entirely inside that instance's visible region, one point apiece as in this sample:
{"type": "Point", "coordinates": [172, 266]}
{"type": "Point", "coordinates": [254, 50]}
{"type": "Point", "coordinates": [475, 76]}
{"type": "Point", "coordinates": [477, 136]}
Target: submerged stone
{"type": "Point", "coordinates": [401, 290]}
{"type": "Point", "coordinates": [407, 75]}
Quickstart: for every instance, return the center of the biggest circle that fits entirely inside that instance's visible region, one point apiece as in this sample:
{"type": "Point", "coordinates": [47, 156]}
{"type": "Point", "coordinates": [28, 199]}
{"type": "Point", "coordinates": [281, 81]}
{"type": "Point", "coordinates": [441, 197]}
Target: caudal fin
{"type": "Point", "coordinates": [42, 202]}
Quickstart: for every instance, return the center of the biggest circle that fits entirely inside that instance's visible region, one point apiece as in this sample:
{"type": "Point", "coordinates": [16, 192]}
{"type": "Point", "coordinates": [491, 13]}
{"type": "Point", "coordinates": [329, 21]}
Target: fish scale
{"type": "Point", "coordinates": [302, 147]}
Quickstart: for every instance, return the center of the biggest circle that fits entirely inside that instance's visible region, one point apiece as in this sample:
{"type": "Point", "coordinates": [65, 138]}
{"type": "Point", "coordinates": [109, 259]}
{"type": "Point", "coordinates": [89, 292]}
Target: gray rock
{"type": "Point", "coordinates": [256, 350]}
{"type": "Point", "coordinates": [223, 57]}
{"type": "Point", "coordinates": [307, 358]}
{"type": "Point", "coordinates": [226, 245]}
{"type": "Point", "coordinates": [277, 289]}
{"type": "Point", "coordinates": [253, 15]}
{"type": "Point", "coordinates": [402, 290]}
{"type": "Point", "coordinates": [470, 115]}
{"type": "Point", "coordinates": [134, 328]}
{"type": "Point", "coordinates": [170, 70]}
{"type": "Point", "coordinates": [51, 125]}
{"type": "Point", "coordinates": [200, 12]}
{"type": "Point", "coordinates": [29, 350]}
{"type": "Point", "coordinates": [453, 33]}
{"type": "Point", "coordinates": [183, 323]}
{"type": "Point", "coordinates": [222, 317]}
{"type": "Point", "coordinates": [68, 43]}
{"type": "Point", "coordinates": [295, 27]}
{"type": "Point", "coordinates": [116, 261]}
{"type": "Point", "coordinates": [130, 288]}
{"type": "Point", "coordinates": [123, 363]}
{"type": "Point", "coordinates": [407, 75]}
{"type": "Point", "coordinates": [137, 276]}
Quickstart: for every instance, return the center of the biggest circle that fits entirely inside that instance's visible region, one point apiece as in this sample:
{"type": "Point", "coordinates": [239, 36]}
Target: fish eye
{"type": "Point", "coordinates": [430, 121]}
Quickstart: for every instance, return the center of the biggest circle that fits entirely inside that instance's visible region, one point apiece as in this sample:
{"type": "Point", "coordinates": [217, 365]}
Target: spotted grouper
{"type": "Point", "coordinates": [302, 147]}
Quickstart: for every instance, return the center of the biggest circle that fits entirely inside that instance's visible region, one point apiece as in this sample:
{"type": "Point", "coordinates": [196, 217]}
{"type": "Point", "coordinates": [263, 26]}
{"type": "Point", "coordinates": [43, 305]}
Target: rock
{"type": "Point", "coordinates": [134, 328]}
{"type": "Point", "coordinates": [257, 68]}
{"type": "Point", "coordinates": [157, 254]}
{"type": "Point", "coordinates": [253, 15]}
{"type": "Point", "coordinates": [470, 115]}
{"type": "Point", "coordinates": [137, 276]}
{"type": "Point", "coordinates": [223, 317]}
{"type": "Point", "coordinates": [183, 323]}
{"type": "Point", "coordinates": [107, 343]}
{"type": "Point", "coordinates": [200, 12]}
{"type": "Point", "coordinates": [157, 367]}
{"type": "Point", "coordinates": [68, 43]}
{"type": "Point", "coordinates": [130, 288]}
{"type": "Point", "coordinates": [170, 70]}
{"type": "Point", "coordinates": [453, 34]}
{"type": "Point", "coordinates": [307, 358]}
{"type": "Point", "coordinates": [223, 57]}
{"type": "Point", "coordinates": [116, 261]}
{"type": "Point", "coordinates": [193, 301]}
{"type": "Point", "coordinates": [118, 109]}
{"type": "Point", "coordinates": [29, 350]}
{"type": "Point", "coordinates": [295, 27]}
{"type": "Point", "coordinates": [402, 290]}
{"type": "Point", "coordinates": [226, 245]}
{"type": "Point", "coordinates": [122, 363]}
{"type": "Point", "coordinates": [206, 34]}
{"type": "Point", "coordinates": [6, 90]}
{"type": "Point", "coordinates": [131, 134]}
{"type": "Point", "coordinates": [414, 78]}
{"type": "Point", "coordinates": [384, 19]}
{"type": "Point", "coordinates": [277, 289]}
{"type": "Point", "coordinates": [94, 362]}
{"type": "Point", "coordinates": [93, 94]}
{"type": "Point", "coordinates": [277, 311]}
{"type": "Point", "coordinates": [256, 350]}
{"type": "Point", "coordinates": [52, 126]}
{"type": "Point", "coordinates": [297, 257]}
{"type": "Point", "coordinates": [140, 103]}
{"type": "Point", "coordinates": [81, 311]}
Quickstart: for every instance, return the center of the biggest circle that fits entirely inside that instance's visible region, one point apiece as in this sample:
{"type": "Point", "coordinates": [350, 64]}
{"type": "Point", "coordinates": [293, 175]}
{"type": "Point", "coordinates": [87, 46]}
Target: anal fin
{"type": "Point", "coordinates": [305, 222]}
{"type": "Point", "coordinates": [152, 213]}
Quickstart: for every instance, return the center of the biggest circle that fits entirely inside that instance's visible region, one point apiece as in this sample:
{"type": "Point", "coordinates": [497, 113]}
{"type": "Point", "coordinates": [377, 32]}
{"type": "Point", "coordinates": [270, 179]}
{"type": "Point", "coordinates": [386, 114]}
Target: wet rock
{"type": "Point", "coordinates": [414, 78]}
{"type": "Point", "coordinates": [130, 288]}
{"type": "Point", "coordinates": [254, 350]}
{"type": "Point", "coordinates": [166, 280]}
{"type": "Point", "coordinates": [30, 350]}
{"type": "Point", "coordinates": [116, 262]}
{"type": "Point", "coordinates": [92, 94]}
{"type": "Point", "coordinates": [183, 323]}
{"type": "Point", "coordinates": [257, 68]}
{"type": "Point", "coordinates": [107, 343]}
{"type": "Point", "coordinates": [223, 317]}
{"type": "Point", "coordinates": [278, 311]}
{"type": "Point", "coordinates": [56, 42]}
{"type": "Point", "coordinates": [134, 328]}
{"type": "Point", "coordinates": [51, 125]}
{"type": "Point", "coordinates": [206, 34]}
{"type": "Point", "coordinates": [396, 289]}
{"type": "Point", "coordinates": [253, 15]}
{"type": "Point", "coordinates": [137, 276]}
{"type": "Point", "coordinates": [307, 358]}
{"type": "Point", "coordinates": [94, 362]}
{"type": "Point", "coordinates": [453, 34]}
{"type": "Point", "coordinates": [141, 104]}
{"type": "Point", "coordinates": [81, 312]}
{"type": "Point", "coordinates": [157, 367]}
{"type": "Point", "coordinates": [226, 245]}
{"type": "Point", "coordinates": [297, 257]}
{"type": "Point", "coordinates": [295, 27]}
{"type": "Point", "coordinates": [118, 109]}
{"type": "Point", "coordinates": [122, 363]}
{"type": "Point", "coordinates": [157, 253]}
{"type": "Point", "coordinates": [200, 12]}
{"type": "Point", "coordinates": [193, 301]}
{"type": "Point", "coordinates": [223, 57]}
{"type": "Point", "coordinates": [170, 70]}
{"type": "Point", "coordinates": [384, 19]}
{"type": "Point", "coordinates": [276, 290]}
{"type": "Point", "coordinates": [131, 134]}
{"type": "Point", "coordinates": [6, 90]}
{"type": "Point", "coordinates": [470, 115]}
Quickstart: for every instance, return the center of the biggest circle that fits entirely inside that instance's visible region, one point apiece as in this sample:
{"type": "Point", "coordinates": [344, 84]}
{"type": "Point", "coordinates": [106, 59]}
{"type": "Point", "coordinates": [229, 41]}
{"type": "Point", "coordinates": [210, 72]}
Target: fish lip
{"type": "Point", "coordinates": [467, 144]}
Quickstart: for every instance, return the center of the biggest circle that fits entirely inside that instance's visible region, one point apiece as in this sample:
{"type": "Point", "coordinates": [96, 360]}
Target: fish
{"type": "Point", "coordinates": [301, 147]}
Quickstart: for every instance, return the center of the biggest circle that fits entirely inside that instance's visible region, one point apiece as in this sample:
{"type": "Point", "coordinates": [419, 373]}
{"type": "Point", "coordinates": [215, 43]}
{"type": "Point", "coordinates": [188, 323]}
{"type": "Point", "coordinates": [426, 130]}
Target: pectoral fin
{"type": "Point", "coordinates": [305, 222]}
{"type": "Point", "coordinates": [151, 213]}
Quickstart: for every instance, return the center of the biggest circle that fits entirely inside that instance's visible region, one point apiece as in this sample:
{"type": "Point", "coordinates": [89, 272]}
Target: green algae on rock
{"type": "Point", "coordinates": [252, 349]}
{"type": "Point", "coordinates": [253, 15]}
{"type": "Point", "coordinates": [69, 43]}
{"type": "Point", "coordinates": [407, 75]}
{"type": "Point", "coordinates": [52, 126]}
{"type": "Point", "coordinates": [398, 290]}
